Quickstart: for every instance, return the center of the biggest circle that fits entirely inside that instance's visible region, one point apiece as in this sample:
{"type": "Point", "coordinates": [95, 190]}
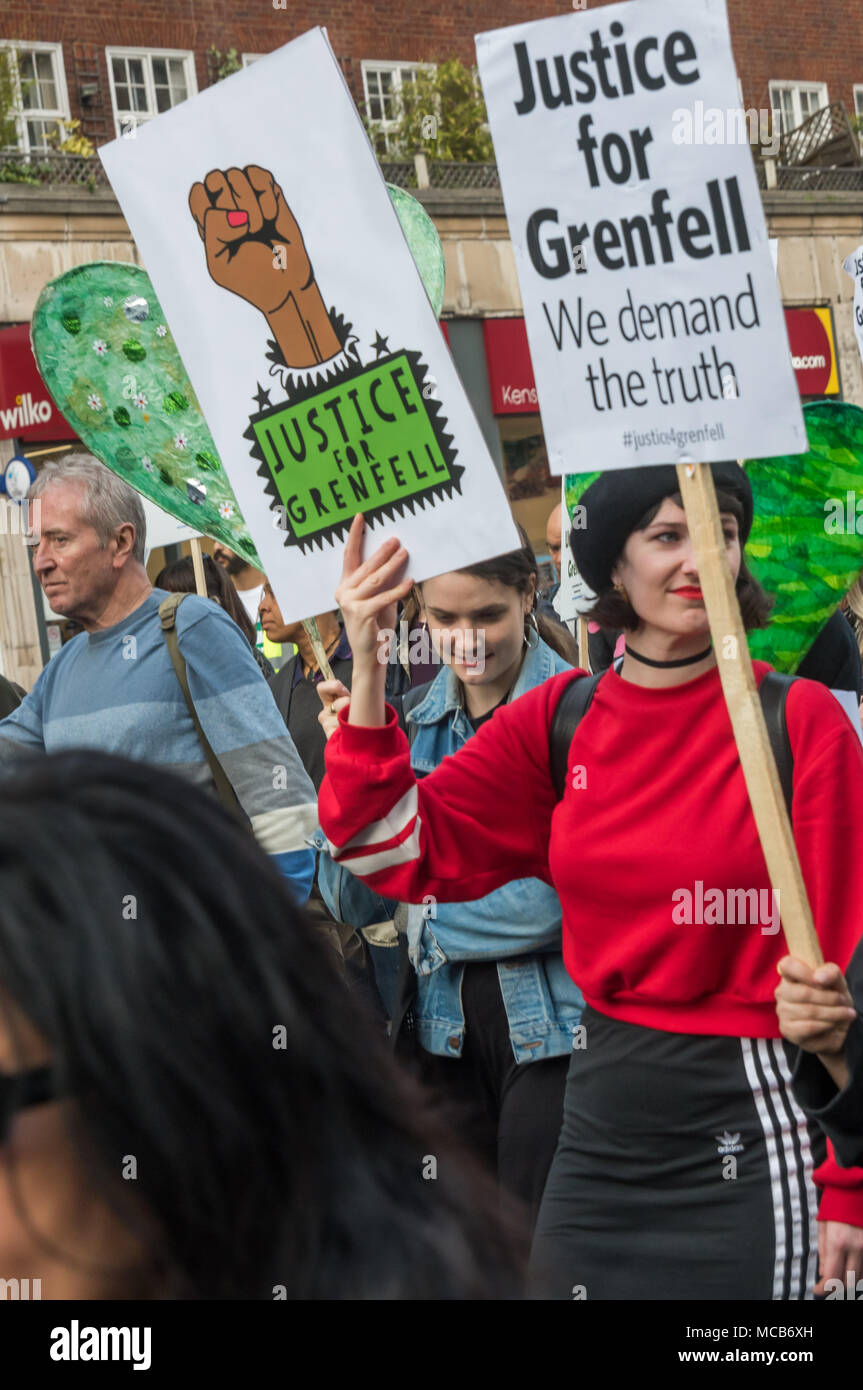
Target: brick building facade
{"type": "Point", "coordinates": [817, 44]}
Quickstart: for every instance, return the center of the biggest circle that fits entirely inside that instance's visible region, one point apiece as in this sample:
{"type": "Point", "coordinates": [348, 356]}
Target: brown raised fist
{"type": "Point", "coordinates": [255, 249]}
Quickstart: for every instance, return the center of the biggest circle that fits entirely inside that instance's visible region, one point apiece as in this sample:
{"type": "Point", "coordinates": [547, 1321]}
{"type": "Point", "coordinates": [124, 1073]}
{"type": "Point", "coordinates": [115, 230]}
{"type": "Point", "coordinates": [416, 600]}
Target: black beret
{"type": "Point", "coordinates": [616, 502]}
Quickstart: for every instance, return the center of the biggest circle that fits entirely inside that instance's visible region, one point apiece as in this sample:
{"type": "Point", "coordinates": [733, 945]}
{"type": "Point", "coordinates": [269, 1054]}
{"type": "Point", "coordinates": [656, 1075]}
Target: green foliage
{"type": "Point", "coordinates": [223, 64]}
{"type": "Point", "coordinates": [71, 140]}
{"type": "Point", "coordinates": [442, 115]}
{"type": "Point", "coordinates": [14, 171]}
{"type": "Point", "coordinates": [8, 98]}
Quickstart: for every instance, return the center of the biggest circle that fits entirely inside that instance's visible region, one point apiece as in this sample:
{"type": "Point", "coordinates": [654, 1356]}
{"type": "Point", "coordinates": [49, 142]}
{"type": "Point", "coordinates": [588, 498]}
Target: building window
{"type": "Point", "coordinates": [383, 84]}
{"type": "Point", "coordinates": [145, 84]}
{"type": "Point", "coordinates": [41, 99]}
{"type": "Point", "coordinates": [793, 102]}
{"type": "Point", "coordinates": [249, 58]}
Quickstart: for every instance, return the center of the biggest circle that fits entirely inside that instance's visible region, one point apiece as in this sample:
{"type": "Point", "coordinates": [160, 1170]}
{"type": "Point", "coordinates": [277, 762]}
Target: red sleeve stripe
{"type": "Point", "coordinates": [391, 827]}
{"type": "Point", "coordinates": [371, 863]}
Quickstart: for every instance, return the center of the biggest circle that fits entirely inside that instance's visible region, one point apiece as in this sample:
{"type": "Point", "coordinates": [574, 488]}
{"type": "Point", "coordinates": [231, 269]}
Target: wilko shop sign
{"type": "Point", "coordinates": [26, 409]}
{"type": "Point", "coordinates": [513, 389]}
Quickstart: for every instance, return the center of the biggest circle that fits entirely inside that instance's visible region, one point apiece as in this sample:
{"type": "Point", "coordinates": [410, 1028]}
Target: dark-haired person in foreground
{"type": "Point", "coordinates": [11, 696]}
{"type": "Point", "coordinates": [191, 1104]}
{"type": "Point", "coordinates": [685, 1167]}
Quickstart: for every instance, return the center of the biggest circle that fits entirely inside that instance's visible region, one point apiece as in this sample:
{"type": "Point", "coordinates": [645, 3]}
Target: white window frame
{"type": "Point", "coordinates": [122, 119]}
{"type": "Point", "coordinates": [775, 85]}
{"type": "Point", "coordinates": [386, 127]}
{"type": "Point", "coordinates": [249, 58]}
{"type": "Point", "coordinates": [858, 99]}
{"type": "Point", "coordinates": [60, 113]}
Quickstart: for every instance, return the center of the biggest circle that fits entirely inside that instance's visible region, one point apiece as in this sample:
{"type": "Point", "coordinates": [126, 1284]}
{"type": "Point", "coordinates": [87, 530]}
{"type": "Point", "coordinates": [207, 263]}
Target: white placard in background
{"type": "Point", "coordinates": [853, 265]}
{"type": "Point", "coordinates": [653, 315]}
{"type": "Point", "coordinates": [300, 254]}
{"type": "Point", "coordinates": [164, 529]}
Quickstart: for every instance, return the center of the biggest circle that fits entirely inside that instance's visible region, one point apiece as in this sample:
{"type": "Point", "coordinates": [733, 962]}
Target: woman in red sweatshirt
{"type": "Point", "coordinates": [685, 1167]}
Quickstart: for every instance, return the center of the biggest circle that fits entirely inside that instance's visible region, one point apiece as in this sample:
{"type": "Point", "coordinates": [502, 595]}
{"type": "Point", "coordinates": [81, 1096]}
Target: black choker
{"type": "Point", "coordinates": [667, 665]}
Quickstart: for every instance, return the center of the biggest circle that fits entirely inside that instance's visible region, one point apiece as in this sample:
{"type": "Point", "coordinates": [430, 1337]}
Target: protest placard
{"type": "Point", "coordinates": [265, 224]}
{"type": "Point", "coordinates": [650, 298]}
{"type": "Point", "coordinates": [853, 266]}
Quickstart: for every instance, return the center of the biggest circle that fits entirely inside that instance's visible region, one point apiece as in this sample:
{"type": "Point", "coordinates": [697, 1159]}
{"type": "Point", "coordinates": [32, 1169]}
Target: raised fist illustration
{"type": "Point", "coordinates": [256, 250]}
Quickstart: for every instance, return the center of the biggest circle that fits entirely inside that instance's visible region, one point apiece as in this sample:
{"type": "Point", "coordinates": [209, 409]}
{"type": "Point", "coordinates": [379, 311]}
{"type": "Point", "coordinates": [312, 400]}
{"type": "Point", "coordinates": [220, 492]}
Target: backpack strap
{"type": "Point", "coordinates": [168, 618]}
{"type": "Point", "coordinates": [571, 709]}
{"type": "Point", "coordinates": [774, 690]}
{"type": "Point", "coordinates": [575, 700]}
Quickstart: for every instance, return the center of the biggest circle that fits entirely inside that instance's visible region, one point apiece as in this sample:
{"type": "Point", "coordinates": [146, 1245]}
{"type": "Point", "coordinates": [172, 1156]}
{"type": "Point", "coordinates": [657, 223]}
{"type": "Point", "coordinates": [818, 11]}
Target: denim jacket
{"type": "Point", "coordinates": [518, 925]}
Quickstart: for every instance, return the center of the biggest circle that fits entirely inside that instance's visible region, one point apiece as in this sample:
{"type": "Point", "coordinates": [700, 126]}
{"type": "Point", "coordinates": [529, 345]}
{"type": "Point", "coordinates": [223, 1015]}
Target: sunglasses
{"type": "Point", "coordinates": [21, 1091]}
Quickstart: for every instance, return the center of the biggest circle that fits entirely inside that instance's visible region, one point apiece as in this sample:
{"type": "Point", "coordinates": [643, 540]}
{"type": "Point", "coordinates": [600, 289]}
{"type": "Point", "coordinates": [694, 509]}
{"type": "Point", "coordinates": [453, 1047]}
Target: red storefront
{"type": "Point", "coordinates": [27, 412]}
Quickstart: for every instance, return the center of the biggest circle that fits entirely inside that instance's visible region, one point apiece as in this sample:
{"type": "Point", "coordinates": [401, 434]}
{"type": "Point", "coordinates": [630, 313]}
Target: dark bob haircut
{"type": "Point", "coordinates": [613, 612]}
{"type": "Point", "coordinates": [197, 1021]}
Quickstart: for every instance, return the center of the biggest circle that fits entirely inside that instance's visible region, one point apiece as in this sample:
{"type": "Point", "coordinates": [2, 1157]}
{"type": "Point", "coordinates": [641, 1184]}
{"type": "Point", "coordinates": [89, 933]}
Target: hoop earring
{"type": "Point", "coordinates": [531, 631]}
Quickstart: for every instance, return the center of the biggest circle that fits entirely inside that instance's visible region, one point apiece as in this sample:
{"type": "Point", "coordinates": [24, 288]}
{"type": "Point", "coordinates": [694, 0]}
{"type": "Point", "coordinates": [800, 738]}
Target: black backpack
{"type": "Point", "coordinates": [574, 703]}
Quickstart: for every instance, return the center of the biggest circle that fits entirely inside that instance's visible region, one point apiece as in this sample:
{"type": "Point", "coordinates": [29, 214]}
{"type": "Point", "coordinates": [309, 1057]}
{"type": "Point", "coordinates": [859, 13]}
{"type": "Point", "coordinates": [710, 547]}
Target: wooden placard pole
{"type": "Point", "coordinates": [314, 636]}
{"type": "Point", "coordinates": [581, 639]}
{"type": "Point", "coordinates": [744, 709]}
{"type": "Point", "coordinates": [198, 566]}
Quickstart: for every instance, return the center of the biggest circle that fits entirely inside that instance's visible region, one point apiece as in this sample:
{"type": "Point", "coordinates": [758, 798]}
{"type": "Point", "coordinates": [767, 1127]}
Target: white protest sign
{"type": "Point", "coordinates": [268, 232]}
{"type": "Point", "coordinates": [574, 598]}
{"type": "Point", "coordinates": [655, 326]}
{"type": "Point", "coordinates": [162, 528]}
{"type": "Point", "coordinates": [853, 265]}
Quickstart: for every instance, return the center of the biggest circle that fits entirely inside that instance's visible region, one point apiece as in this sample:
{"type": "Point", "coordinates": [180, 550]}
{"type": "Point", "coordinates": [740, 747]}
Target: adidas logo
{"type": "Point", "coordinates": [728, 1143]}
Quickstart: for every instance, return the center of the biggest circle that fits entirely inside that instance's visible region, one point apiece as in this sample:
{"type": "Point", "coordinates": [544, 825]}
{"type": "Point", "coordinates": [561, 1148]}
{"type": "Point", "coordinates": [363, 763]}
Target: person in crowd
{"type": "Point", "coordinates": [114, 686]}
{"type": "Point", "coordinates": [11, 696]}
{"type": "Point", "coordinates": [821, 1012]}
{"type": "Point", "coordinates": [248, 581]}
{"type": "Point", "coordinates": [495, 1013]}
{"type": "Point", "coordinates": [684, 1067]}
{"type": "Point", "coordinates": [191, 1104]}
{"type": "Point", "coordinates": [834, 657]}
{"type": "Point", "coordinates": [553, 542]}
{"type": "Point", "coordinates": [179, 578]}
{"type": "Point", "coordinates": [295, 687]}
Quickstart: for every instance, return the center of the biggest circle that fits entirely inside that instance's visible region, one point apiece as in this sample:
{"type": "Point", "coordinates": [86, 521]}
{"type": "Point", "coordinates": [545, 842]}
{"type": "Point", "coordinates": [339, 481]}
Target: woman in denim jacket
{"type": "Point", "coordinates": [496, 1014]}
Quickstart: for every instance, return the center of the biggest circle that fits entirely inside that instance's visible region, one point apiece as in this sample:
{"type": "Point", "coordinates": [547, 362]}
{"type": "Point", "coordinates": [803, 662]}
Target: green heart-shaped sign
{"type": "Point", "coordinates": [800, 547]}
{"type": "Point", "coordinates": [109, 360]}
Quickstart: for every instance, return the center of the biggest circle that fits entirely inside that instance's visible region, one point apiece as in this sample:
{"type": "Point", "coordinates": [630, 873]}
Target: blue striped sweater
{"type": "Point", "coordinates": [116, 690]}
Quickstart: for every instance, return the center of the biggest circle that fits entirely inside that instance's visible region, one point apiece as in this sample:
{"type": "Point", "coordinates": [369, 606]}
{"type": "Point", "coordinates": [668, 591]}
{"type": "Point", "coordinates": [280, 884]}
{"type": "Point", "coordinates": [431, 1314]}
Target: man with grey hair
{"type": "Point", "coordinates": [114, 687]}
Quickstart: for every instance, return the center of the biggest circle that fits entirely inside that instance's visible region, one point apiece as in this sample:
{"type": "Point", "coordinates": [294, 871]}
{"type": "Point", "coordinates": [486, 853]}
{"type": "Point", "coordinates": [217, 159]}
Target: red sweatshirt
{"type": "Point", "coordinates": [651, 851]}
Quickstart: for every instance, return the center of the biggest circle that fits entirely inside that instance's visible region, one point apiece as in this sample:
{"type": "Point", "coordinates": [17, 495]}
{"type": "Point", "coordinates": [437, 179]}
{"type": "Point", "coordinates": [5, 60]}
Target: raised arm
{"type": "Point", "coordinates": [479, 820]}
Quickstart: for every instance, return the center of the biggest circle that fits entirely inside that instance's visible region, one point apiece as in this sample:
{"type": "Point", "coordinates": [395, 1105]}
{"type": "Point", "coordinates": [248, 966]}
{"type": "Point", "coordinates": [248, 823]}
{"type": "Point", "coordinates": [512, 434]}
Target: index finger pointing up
{"type": "Point", "coordinates": [354, 546]}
